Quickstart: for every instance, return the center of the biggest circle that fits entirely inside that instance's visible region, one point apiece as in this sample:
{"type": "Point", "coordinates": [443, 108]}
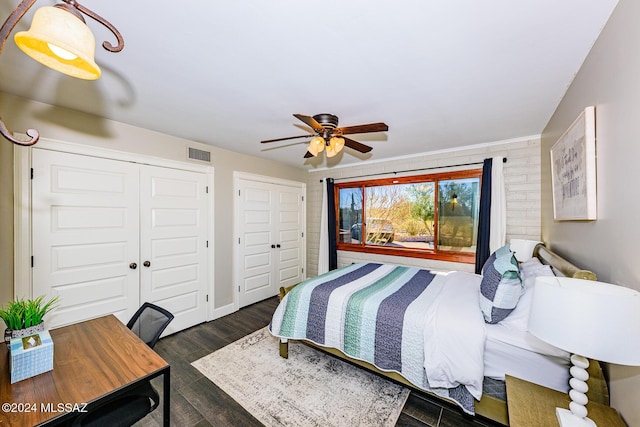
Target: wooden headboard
{"type": "Point", "coordinates": [560, 264]}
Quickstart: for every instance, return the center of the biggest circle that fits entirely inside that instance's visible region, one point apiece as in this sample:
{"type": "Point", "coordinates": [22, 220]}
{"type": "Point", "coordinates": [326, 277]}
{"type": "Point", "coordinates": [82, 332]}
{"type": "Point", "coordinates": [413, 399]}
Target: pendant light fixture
{"type": "Point", "coordinates": [60, 39]}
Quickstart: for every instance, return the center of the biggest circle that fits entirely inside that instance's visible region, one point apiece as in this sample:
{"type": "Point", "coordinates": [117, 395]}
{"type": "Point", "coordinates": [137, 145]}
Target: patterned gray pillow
{"type": "Point", "coordinates": [501, 285]}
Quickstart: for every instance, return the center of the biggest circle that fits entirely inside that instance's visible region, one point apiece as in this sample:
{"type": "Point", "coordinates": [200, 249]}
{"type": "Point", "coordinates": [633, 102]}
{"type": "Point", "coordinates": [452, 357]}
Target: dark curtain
{"type": "Point", "coordinates": [484, 217]}
{"type": "Point", "coordinates": [333, 244]}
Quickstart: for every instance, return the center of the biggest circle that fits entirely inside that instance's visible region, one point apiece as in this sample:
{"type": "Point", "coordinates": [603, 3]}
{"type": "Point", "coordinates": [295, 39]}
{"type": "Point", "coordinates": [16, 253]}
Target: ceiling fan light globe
{"type": "Point", "coordinates": [60, 41]}
{"type": "Point", "coordinates": [337, 144]}
{"type": "Point", "coordinates": [319, 141]}
{"type": "Point", "coordinates": [316, 146]}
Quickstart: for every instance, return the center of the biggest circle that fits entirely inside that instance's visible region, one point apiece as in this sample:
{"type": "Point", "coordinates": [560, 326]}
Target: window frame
{"type": "Point", "coordinates": [435, 178]}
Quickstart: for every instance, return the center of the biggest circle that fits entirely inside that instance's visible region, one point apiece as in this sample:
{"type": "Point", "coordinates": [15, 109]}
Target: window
{"type": "Point", "coordinates": [425, 216]}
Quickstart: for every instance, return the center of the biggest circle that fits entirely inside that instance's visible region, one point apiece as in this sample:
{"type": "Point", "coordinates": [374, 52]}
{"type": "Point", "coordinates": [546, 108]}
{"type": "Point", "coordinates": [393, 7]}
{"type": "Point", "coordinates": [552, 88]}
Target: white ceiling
{"type": "Point", "coordinates": [441, 74]}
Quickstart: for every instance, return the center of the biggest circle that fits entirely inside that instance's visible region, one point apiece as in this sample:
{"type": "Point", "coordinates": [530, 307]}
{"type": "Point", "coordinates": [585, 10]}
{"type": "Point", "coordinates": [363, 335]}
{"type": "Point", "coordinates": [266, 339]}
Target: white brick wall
{"type": "Point", "coordinates": [522, 182]}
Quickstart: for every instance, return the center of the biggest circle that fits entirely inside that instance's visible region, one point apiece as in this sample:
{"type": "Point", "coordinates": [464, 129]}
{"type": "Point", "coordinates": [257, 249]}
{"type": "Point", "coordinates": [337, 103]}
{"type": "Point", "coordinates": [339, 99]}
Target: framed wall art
{"type": "Point", "coordinates": [573, 170]}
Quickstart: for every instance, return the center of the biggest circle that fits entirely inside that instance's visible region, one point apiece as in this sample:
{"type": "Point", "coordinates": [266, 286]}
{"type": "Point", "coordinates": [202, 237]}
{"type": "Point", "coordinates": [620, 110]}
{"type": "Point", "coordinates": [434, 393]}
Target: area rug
{"type": "Point", "coordinates": [310, 388]}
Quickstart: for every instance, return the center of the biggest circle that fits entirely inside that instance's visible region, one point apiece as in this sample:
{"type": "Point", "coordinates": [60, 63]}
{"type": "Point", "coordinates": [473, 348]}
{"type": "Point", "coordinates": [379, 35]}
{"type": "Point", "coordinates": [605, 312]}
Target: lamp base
{"type": "Point", "coordinates": [566, 418]}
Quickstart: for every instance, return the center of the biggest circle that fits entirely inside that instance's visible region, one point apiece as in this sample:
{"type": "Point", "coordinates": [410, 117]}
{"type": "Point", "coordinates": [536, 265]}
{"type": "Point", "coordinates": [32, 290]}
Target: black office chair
{"type": "Point", "coordinates": [148, 323]}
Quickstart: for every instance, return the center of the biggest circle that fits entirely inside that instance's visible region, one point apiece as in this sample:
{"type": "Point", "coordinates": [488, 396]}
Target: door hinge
{"type": "Point", "coordinates": [302, 234]}
{"type": "Point", "coordinates": [302, 270]}
{"type": "Point", "coordinates": [207, 243]}
{"type": "Point", "coordinates": [31, 173]}
{"type": "Point", "coordinates": [207, 298]}
{"type": "Point", "coordinates": [32, 261]}
{"type": "Point", "coordinates": [206, 188]}
{"type": "Point", "coordinates": [302, 198]}
{"type": "Point", "coordinates": [238, 288]}
{"type": "Point", "coordinates": [238, 240]}
{"type": "Point", "coordinates": [238, 193]}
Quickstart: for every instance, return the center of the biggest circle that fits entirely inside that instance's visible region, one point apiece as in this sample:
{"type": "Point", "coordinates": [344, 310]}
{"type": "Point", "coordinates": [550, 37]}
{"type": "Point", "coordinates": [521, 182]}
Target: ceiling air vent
{"type": "Point", "coordinates": [203, 156]}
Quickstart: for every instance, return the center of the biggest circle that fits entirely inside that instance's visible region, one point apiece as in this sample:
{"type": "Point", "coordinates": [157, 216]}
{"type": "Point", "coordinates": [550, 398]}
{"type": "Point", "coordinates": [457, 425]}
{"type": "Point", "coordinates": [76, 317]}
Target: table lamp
{"type": "Point", "coordinates": [590, 319]}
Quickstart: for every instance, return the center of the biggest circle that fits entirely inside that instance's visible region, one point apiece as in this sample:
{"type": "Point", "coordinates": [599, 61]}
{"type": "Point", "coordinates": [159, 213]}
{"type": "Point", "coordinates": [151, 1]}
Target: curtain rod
{"type": "Point", "coordinates": [504, 160]}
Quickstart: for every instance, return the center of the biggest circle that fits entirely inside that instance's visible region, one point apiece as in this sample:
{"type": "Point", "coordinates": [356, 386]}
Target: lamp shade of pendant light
{"type": "Point", "coordinates": [61, 41]}
{"type": "Point", "coordinates": [335, 146]}
{"type": "Point", "coordinates": [316, 145]}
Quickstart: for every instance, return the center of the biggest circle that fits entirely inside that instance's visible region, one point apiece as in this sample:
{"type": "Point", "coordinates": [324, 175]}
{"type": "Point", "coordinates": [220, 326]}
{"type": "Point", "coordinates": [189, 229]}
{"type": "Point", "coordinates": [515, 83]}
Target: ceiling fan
{"type": "Point", "coordinates": [328, 135]}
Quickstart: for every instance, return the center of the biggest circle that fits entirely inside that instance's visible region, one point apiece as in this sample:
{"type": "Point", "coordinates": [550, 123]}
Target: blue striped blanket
{"type": "Point", "coordinates": [424, 325]}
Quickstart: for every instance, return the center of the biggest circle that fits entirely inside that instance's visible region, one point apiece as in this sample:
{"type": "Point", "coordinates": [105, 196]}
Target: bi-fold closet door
{"type": "Point", "coordinates": [108, 235]}
{"type": "Point", "coordinates": [270, 220]}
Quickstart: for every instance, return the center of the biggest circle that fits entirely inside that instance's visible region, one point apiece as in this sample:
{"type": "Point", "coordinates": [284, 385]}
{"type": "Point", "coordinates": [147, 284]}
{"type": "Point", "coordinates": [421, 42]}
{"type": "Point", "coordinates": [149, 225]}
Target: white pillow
{"type": "Point", "coordinates": [519, 317]}
{"type": "Point", "coordinates": [530, 266]}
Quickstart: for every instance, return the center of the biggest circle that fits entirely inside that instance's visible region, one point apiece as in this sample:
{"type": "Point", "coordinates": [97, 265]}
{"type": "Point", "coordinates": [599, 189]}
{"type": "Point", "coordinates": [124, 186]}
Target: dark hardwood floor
{"type": "Point", "coordinates": [196, 401]}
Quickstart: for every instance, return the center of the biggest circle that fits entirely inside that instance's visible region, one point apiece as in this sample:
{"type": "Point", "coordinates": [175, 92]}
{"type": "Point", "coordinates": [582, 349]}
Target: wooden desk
{"type": "Point", "coordinates": [92, 360]}
{"type": "Point", "coordinates": [534, 405]}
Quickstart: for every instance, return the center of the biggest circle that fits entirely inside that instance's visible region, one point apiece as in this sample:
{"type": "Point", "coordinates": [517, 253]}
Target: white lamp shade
{"type": "Point", "coordinates": [597, 320]}
{"type": "Point", "coordinates": [523, 249]}
{"type": "Point", "coordinates": [60, 41]}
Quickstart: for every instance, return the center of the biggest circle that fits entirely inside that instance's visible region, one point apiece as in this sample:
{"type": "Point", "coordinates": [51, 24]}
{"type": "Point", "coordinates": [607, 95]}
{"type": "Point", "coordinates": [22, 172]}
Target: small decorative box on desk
{"type": "Point", "coordinates": [30, 355]}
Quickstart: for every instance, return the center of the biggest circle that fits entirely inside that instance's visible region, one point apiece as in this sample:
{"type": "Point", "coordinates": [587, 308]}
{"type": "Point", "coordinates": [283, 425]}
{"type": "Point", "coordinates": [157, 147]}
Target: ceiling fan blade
{"type": "Point", "coordinates": [307, 155]}
{"type": "Point", "coordinates": [371, 127]}
{"type": "Point", "coordinates": [284, 139]}
{"type": "Point", "coordinates": [310, 121]}
{"type": "Point", "coordinates": [358, 146]}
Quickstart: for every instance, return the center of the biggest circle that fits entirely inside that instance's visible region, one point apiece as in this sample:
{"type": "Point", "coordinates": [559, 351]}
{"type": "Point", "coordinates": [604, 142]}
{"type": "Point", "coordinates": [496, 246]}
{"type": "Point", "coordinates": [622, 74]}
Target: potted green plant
{"type": "Point", "coordinates": [25, 317]}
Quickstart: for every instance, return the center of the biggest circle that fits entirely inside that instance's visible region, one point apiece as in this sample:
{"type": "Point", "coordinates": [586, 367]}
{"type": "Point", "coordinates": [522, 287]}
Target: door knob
{"type": "Point", "coordinates": [278, 245]}
{"type": "Point", "coordinates": [147, 263]}
{"type": "Point", "coordinates": [133, 266]}
{"type": "Point", "coordinates": [273, 246]}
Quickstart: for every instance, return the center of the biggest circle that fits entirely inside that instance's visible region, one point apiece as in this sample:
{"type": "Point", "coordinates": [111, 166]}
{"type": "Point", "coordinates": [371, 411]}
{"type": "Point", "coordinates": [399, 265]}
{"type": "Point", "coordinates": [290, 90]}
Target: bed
{"type": "Point", "coordinates": [434, 331]}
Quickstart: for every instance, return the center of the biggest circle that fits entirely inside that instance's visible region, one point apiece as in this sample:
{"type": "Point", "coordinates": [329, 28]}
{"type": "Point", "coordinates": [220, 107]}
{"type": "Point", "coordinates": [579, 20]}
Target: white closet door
{"type": "Point", "coordinates": [289, 212]}
{"type": "Point", "coordinates": [257, 242]}
{"type": "Point", "coordinates": [85, 235]}
{"type": "Point", "coordinates": [270, 223]}
{"type": "Point", "coordinates": [173, 231]}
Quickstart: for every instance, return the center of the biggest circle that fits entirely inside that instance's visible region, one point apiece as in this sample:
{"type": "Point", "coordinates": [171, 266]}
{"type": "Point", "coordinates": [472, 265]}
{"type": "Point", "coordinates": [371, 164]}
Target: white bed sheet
{"type": "Point", "coordinates": [520, 354]}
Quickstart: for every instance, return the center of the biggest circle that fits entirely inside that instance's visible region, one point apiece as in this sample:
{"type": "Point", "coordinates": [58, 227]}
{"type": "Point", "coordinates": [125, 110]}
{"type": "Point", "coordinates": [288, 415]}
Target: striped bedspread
{"type": "Point", "coordinates": [424, 325]}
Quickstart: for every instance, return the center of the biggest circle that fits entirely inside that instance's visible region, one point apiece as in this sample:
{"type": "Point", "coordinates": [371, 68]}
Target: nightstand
{"type": "Point", "coordinates": [530, 405]}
